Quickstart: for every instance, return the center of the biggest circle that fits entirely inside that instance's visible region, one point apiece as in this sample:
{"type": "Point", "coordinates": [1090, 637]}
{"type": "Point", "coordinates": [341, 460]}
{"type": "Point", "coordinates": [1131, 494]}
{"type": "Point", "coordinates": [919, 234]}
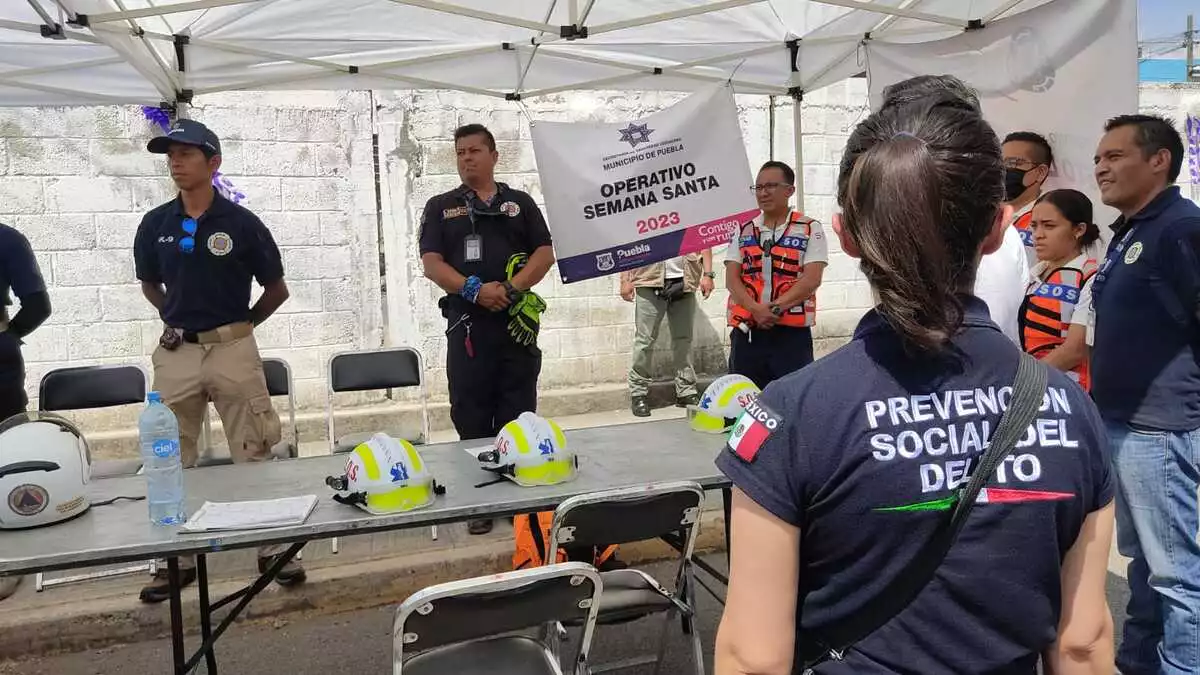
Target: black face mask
{"type": "Point", "coordinates": [1014, 183]}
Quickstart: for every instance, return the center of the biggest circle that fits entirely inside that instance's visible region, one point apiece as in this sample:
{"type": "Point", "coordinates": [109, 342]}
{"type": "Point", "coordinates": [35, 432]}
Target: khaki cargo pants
{"type": "Point", "coordinates": [225, 368]}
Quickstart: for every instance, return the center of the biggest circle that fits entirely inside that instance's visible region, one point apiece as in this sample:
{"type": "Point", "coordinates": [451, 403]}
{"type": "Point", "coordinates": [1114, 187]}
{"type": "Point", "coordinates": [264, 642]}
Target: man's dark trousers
{"type": "Point", "coordinates": [494, 381]}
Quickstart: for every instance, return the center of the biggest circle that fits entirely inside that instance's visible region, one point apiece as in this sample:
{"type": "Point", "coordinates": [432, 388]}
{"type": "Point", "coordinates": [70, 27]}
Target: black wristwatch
{"type": "Point", "coordinates": [776, 310]}
{"type": "Point", "coordinates": [511, 291]}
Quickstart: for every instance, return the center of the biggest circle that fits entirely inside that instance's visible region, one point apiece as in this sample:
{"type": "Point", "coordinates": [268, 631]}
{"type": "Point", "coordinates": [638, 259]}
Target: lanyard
{"type": "Point", "coordinates": [786, 229]}
{"type": "Point", "coordinates": [1113, 254]}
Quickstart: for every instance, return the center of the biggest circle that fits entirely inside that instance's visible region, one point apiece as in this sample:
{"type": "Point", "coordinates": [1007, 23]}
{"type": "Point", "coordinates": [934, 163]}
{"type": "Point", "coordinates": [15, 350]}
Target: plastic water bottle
{"type": "Point", "coordinates": [158, 433]}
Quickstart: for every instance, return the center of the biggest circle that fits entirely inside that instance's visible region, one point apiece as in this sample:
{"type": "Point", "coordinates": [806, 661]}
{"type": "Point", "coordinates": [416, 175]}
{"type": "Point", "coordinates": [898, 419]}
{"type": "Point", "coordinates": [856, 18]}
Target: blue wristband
{"type": "Point", "coordinates": [470, 289]}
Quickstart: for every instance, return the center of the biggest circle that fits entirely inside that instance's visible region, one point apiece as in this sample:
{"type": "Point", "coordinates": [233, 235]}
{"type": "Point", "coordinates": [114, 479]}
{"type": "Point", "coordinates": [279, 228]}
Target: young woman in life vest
{"type": "Point", "coordinates": [1056, 316]}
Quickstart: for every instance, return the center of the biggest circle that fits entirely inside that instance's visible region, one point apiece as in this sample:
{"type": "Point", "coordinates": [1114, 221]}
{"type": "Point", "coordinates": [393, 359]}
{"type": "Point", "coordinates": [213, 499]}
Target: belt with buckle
{"type": "Point", "coordinates": [226, 333]}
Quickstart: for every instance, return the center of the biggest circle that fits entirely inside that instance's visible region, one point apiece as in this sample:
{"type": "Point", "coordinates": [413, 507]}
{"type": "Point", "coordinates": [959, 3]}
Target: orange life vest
{"type": "Point", "coordinates": [1046, 313]}
{"type": "Point", "coordinates": [787, 264]}
{"type": "Point", "coordinates": [1024, 225]}
{"type": "Point", "coordinates": [531, 544]}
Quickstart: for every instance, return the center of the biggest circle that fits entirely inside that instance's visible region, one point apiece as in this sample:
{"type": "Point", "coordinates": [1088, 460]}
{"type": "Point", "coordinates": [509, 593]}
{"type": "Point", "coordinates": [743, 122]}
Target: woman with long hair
{"type": "Point", "coordinates": [845, 471]}
{"type": "Point", "coordinates": [1057, 311]}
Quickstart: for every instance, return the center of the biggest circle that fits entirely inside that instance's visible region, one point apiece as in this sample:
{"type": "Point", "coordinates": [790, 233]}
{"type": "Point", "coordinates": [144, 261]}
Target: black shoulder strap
{"type": "Point", "coordinates": [1029, 388]}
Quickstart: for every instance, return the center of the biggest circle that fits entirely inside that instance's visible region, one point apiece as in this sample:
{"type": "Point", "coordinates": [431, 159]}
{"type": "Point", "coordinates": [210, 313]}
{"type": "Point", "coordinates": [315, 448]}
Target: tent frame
{"type": "Point", "coordinates": [171, 79]}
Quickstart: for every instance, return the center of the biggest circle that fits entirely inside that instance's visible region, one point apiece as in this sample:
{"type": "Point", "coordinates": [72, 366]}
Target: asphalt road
{"type": "Point", "coordinates": [360, 643]}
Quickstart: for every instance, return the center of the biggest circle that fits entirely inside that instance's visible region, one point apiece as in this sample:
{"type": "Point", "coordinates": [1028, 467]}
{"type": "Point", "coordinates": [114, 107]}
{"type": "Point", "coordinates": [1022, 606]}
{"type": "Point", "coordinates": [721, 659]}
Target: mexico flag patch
{"type": "Point", "coordinates": [753, 428]}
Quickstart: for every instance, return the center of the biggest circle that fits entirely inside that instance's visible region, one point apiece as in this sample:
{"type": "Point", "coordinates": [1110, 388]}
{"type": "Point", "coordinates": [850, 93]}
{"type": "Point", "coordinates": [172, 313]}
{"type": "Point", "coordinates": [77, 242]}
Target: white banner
{"type": "Point", "coordinates": [1060, 70]}
{"type": "Point", "coordinates": [620, 196]}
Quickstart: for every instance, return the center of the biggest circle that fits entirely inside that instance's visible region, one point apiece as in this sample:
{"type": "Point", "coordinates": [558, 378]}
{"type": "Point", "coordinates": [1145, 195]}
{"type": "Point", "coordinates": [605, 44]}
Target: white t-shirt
{"type": "Point", "coordinates": [674, 268]}
{"type": "Point", "coordinates": [1001, 281]}
{"type": "Point", "coordinates": [816, 249]}
{"type": "Point", "coordinates": [1082, 315]}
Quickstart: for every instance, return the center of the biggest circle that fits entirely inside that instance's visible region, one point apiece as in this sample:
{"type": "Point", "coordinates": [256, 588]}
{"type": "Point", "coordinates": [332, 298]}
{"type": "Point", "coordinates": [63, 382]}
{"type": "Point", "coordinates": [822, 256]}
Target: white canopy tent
{"type": "Point", "coordinates": [72, 52]}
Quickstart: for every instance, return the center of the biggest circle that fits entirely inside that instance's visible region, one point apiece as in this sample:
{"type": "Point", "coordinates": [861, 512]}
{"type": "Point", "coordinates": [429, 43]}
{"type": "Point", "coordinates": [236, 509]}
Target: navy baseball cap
{"type": "Point", "coordinates": [188, 132]}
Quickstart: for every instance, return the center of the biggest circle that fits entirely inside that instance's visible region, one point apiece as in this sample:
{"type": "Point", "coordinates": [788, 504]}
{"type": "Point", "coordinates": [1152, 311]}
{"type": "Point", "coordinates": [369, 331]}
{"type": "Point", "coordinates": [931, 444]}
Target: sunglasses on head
{"type": "Point", "coordinates": [188, 244]}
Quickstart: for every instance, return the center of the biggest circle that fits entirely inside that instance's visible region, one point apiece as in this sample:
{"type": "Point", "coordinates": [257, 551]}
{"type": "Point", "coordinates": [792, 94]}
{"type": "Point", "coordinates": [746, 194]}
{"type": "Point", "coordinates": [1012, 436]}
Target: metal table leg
{"type": "Point", "coordinates": [176, 617]}
{"type": "Point", "coordinates": [242, 598]}
{"type": "Point", "coordinates": [727, 507]}
{"type": "Point", "coordinates": [209, 648]}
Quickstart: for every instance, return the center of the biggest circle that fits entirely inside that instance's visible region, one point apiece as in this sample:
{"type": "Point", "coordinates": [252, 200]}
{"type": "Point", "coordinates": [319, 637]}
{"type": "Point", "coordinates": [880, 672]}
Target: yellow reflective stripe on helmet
{"type": "Point", "coordinates": [732, 391]}
{"type": "Point", "coordinates": [518, 434]}
{"type": "Point", "coordinates": [548, 473]}
{"type": "Point", "coordinates": [400, 499]}
{"type": "Point", "coordinates": [414, 458]}
{"type": "Point", "coordinates": [367, 458]}
{"type": "Point", "coordinates": [560, 440]}
{"type": "Point", "coordinates": [705, 422]}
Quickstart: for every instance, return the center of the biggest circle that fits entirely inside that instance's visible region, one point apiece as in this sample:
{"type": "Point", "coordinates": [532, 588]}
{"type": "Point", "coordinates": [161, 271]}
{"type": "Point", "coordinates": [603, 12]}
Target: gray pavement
{"type": "Point", "coordinates": [360, 642]}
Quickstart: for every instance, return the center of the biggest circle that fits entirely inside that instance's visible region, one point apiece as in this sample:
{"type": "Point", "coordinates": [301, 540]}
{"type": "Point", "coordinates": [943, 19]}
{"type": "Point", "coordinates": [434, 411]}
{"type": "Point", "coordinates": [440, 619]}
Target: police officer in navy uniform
{"type": "Point", "coordinates": [469, 237]}
{"type": "Point", "coordinates": [20, 276]}
{"type": "Point", "coordinates": [196, 257]}
{"type": "Point", "coordinates": [845, 470]}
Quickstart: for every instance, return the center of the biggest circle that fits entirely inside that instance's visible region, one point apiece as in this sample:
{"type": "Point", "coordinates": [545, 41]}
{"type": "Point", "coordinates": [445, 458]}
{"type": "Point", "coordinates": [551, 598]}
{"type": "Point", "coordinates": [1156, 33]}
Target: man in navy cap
{"type": "Point", "coordinates": [19, 274]}
{"type": "Point", "coordinates": [196, 257]}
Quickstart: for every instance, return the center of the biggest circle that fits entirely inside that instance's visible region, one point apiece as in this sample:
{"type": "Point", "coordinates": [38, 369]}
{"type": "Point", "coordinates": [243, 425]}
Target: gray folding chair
{"type": "Point", "coordinates": [470, 627]}
{"type": "Point", "coordinates": [374, 370]}
{"type": "Point", "coordinates": [90, 388]}
{"type": "Point", "coordinates": [630, 514]}
{"type": "Point", "coordinates": [279, 384]}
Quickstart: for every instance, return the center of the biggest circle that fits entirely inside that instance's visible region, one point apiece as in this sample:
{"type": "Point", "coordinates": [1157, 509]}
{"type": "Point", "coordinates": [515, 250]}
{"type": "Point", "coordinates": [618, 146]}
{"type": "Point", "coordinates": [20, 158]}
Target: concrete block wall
{"type": "Point", "coordinates": [76, 181]}
{"type": "Point", "coordinates": [588, 330]}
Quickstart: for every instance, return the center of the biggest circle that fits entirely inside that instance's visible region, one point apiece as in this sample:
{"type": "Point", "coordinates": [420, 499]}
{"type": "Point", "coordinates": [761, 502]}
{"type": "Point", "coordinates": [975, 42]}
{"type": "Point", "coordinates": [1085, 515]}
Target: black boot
{"type": "Point", "coordinates": [685, 401]}
{"type": "Point", "coordinates": [639, 406]}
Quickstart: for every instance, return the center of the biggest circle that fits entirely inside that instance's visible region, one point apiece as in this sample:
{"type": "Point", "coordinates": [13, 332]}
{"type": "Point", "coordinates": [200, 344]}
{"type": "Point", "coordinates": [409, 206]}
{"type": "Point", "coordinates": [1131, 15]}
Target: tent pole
{"type": "Point", "coordinates": [798, 128]}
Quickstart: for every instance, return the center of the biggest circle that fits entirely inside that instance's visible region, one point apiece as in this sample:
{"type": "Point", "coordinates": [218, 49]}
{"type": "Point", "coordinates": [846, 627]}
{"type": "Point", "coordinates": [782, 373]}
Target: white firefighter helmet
{"type": "Point", "coordinates": [722, 403]}
{"type": "Point", "coordinates": [45, 466]}
{"type": "Point", "coordinates": [531, 451]}
{"type": "Point", "coordinates": [385, 475]}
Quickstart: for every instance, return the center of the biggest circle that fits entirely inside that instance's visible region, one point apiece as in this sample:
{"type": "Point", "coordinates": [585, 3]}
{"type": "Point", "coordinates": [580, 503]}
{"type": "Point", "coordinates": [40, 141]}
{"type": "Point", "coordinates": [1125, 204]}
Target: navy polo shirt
{"type": "Point", "coordinates": [209, 286]}
{"type": "Point", "coordinates": [19, 273]}
{"type": "Point", "coordinates": [868, 443]}
{"type": "Point", "coordinates": [1144, 361]}
{"type": "Point", "coordinates": [510, 223]}
{"type": "Point", "coordinates": [19, 276]}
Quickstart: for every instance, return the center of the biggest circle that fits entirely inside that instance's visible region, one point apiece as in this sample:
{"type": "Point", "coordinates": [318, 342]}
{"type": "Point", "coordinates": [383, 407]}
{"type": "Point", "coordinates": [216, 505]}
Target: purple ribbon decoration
{"type": "Point", "coordinates": [1193, 149]}
{"type": "Point", "coordinates": [222, 183]}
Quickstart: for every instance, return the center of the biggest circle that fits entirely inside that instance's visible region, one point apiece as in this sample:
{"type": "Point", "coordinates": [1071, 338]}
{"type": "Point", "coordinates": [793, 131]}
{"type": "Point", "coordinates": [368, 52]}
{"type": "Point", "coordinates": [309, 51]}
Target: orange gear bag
{"type": "Point", "coordinates": [531, 544]}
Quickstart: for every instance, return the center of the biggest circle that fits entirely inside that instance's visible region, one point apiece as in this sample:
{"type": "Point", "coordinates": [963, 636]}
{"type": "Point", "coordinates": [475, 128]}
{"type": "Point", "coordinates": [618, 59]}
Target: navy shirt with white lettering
{"type": "Point", "coordinates": [1146, 356]}
{"type": "Point", "coordinates": [208, 286]}
{"type": "Point", "coordinates": [869, 446]}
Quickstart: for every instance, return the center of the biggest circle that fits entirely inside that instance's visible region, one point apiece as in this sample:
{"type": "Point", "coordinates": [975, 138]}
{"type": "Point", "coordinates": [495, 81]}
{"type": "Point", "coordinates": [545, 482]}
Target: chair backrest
{"type": "Point", "coordinates": [392, 367]}
{"type": "Point", "coordinates": [624, 515]}
{"type": "Point", "coordinates": [279, 376]}
{"type": "Point", "coordinates": [461, 611]}
{"type": "Point", "coordinates": [86, 387]}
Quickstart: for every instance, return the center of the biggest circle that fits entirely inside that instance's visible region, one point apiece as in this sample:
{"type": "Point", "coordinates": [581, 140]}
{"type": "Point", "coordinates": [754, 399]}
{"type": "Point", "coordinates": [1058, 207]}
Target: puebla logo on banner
{"type": "Point", "coordinates": [624, 195]}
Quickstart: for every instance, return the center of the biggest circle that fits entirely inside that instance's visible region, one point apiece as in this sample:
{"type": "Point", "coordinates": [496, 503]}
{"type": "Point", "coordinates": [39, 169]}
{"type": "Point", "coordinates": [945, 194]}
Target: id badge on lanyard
{"type": "Point", "coordinates": [472, 243]}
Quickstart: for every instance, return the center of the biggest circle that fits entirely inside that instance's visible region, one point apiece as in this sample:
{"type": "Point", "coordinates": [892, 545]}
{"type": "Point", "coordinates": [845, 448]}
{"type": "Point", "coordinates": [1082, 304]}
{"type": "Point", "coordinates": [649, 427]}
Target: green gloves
{"type": "Point", "coordinates": [526, 308]}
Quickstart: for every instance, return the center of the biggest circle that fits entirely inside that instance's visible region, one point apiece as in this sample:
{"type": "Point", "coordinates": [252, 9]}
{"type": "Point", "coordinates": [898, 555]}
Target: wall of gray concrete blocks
{"type": "Point", "coordinates": [77, 180]}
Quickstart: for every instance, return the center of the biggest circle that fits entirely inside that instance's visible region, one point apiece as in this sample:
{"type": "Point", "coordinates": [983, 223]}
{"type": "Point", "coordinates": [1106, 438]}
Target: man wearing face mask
{"type": "Point", "coordinates": [1027, 159]}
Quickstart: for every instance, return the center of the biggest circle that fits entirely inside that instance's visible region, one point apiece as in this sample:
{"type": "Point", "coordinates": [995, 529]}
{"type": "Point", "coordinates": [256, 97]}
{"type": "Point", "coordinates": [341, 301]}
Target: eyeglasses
{"type": "Point", "coordinates": [1019, 163]}
{"type": "Point", "coordinates": [767, 187]}
{"type": "Point", "coordinates": [188, 244]}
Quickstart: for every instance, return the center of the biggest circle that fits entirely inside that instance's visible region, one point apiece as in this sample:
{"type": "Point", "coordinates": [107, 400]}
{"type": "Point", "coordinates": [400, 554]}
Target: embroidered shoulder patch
{"type": "Point", "coordinates": [753, 428]}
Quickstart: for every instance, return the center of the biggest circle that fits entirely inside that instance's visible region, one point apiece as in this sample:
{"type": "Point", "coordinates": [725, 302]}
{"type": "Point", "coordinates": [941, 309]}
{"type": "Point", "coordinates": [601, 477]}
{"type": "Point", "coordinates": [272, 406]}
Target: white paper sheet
{"type": "Point", "coordinates": [251, 515]}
